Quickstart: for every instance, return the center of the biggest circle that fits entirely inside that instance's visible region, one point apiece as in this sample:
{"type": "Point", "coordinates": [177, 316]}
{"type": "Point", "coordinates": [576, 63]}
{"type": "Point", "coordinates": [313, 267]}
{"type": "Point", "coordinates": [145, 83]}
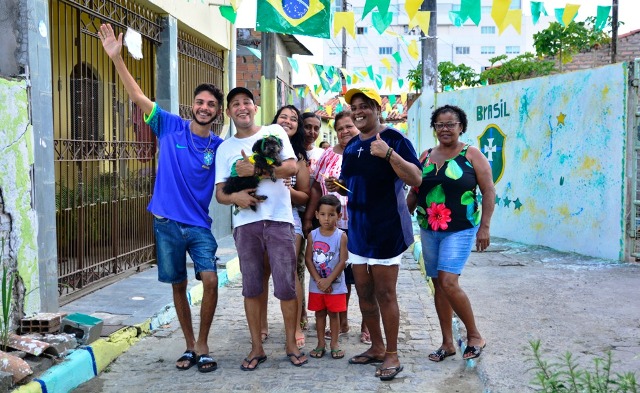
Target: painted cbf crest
{"type": "Point", "coordinates": [492, 142]}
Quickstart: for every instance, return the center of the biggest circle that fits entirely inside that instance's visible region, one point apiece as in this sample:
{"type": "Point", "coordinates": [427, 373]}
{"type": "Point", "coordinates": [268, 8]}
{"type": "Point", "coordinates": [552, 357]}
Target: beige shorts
{"type": "Point", "coordinates": [358, 260]}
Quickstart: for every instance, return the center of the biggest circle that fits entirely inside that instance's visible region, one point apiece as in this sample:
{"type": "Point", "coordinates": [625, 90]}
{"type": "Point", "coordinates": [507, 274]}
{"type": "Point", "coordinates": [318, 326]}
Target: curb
{"type": "Point", "coordinates": [86, 362]}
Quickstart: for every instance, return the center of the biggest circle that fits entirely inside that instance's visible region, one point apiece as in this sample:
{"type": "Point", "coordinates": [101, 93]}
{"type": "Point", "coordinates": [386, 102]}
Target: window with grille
{"type": "Point", "coordinates": [487, 50]}
{"type": "Point", "coordinates": [86, 104]}
{"type": "Point", "coordinates": [512, 50]}
{"type": "Point", "coordinates": [385, 50]}
{"type": "Point", "coordinates": [361, 30]}
{"type": "Point", "coordinates": [462, 50]}
{"type": "Point", "coordinates": [487, 30]}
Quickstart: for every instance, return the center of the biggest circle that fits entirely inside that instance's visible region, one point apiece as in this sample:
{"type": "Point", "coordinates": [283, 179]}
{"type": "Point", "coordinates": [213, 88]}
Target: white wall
{"type": "Point", "coordinates": [562, 184]}
{"type": "Point", "coordinates": [201, 17]}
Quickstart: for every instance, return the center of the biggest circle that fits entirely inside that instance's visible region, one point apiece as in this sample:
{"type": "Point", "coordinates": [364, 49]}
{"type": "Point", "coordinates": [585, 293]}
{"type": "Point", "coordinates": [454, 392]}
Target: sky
{"type": "Point", "coordinates": [628, 11]}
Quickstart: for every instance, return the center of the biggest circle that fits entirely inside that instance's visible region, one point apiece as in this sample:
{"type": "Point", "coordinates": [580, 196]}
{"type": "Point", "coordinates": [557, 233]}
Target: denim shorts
{"type": "Point", "coordinates": [174, 240]}
{"type": "Point", "coordinates": [275, 238]}
{"type": "Point", "coordinates": [446, 251]}
{"type": "Point", "coordinates": [297, 222]}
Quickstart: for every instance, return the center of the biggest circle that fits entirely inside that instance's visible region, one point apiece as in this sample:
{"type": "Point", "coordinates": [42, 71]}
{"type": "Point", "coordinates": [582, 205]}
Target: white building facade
{"type": "Point", "coordinates": [468, 44]}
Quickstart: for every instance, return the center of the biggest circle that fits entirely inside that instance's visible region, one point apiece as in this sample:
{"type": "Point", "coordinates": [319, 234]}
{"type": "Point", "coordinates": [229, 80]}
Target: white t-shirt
{"type": "Point", "coordinates": [313, 156]}
{"type": "Point", "coordinates": [277, 207]}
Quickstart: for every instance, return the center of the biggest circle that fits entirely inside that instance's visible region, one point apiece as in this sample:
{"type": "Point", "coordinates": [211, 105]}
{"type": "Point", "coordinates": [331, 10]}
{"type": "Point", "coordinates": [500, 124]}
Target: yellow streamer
{"type": "Point", "coordinates": [569, 14]}
{"type": "Point", "coordinates": [388, 84]}
{"type": "Point", "coordinates": [412, 7]}
{"type": "Point", "coordinates": [421, 19]}
{"type": "Point", "coordinates": [413, 50]}
{"type": "Point", "coordinates": [386, 63]}
{"type": "Point", "coordinates": [344, 20]}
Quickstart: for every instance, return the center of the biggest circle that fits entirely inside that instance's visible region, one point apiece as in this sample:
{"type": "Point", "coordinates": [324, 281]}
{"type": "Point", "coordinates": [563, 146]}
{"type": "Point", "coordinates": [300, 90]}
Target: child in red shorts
{"type": "Point", "coordinates": [326, 256]}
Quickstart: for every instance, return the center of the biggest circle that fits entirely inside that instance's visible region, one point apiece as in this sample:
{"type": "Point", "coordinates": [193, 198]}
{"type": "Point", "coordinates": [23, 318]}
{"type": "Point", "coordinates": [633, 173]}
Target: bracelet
{"type": "Point", "coordinates": [389, 152]}
{"type": "Point", "coordinates": [391, 353]}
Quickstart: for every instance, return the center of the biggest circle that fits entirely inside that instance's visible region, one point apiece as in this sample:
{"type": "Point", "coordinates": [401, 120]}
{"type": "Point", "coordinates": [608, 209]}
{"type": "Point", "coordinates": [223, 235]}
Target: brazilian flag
{"type": "Point", "coordinates": [304, 17]}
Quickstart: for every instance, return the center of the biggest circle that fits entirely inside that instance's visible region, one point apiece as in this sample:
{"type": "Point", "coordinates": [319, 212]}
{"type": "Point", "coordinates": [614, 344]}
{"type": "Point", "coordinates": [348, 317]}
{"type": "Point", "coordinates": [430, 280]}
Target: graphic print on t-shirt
{"type": "Point", "coordinates": [322, 255]}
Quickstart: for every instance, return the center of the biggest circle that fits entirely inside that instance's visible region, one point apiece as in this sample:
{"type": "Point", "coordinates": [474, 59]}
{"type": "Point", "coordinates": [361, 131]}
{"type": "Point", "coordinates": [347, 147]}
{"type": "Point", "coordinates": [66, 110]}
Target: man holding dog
{"type": "Point", "coordinates": [268, 230]}
{"type": "Point", "coordinates": [180, 203]}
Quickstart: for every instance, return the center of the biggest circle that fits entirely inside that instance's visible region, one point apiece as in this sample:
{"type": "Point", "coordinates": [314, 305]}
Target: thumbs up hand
{"type": "Point", "coordinates": [379, 147]}
{"type": "Point", "coordinates": [244, 167]}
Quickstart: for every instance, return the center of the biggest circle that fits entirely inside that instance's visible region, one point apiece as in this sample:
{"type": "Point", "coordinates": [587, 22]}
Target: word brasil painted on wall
{"type": "Point", "coordinates": [497, 110]}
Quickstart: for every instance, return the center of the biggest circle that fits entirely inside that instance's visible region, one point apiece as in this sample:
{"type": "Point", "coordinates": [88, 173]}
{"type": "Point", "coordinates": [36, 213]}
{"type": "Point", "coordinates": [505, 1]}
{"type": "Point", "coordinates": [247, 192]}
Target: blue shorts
{"type": "Point", "coordinates": [174, 240]}
{"type": "Point", "coordinates": [446, 251]}
{"type": "Point", "coordinates": [275, 238]}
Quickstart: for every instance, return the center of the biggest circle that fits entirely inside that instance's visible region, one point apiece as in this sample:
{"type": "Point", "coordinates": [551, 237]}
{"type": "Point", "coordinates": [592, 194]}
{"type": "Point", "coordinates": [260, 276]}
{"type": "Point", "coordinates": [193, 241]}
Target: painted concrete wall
{"type": "Point", "coordinates": [559, 170]}
{"type": "Point", "coordinates": [16, 160]}
{"type": "Point", "coordinates": [198, 16]}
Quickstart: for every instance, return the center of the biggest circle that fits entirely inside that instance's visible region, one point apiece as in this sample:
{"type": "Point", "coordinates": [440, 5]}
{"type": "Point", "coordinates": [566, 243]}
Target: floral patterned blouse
{"type": "Point", "coordinates": [447, 198]}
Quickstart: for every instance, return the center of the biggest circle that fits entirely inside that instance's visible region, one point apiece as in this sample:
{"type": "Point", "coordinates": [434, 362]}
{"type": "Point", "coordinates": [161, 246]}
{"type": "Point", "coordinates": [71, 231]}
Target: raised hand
{"type": "Point", "coordinates": [111, 45]}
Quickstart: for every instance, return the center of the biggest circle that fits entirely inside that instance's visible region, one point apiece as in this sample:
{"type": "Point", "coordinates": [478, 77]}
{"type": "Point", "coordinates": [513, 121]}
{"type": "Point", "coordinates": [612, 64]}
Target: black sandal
{"type": "Point", "coordinates": [187, 355]}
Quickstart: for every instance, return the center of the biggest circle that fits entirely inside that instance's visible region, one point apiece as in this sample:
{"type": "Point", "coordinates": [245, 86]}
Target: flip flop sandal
{"type": "Point", "coordinates": [337, 353]}
{"type": "Point", "coordinates": [289, 355]}
{"type": "Point", "coordinates": [327, 334]}
{"type": "Point", "coordinates": [317, 352]}
{"type": "Point", "coordinates": [440, 354]}
{"type": "Point", "coordinates": [473, 350]}
{"type": "Point", "coordinates": [260, 360]}
{"type": "Point", "coordinates": [389, 377]}
{"type": "Point", "coordinates": [264, 336]}
{"type": "Point", "coordinates": [187, 355]}
{"type": "Point", "coordinates": [206, 364]}
{"type": "Point", "coordinates": [368, 359]}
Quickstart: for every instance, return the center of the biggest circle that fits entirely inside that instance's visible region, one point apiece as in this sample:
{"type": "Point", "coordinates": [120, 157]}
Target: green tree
{"type": "Point", "coordinates": [520, 67]}
{"type": "Point", "coordinates": [450, 76]}
{"type": "Point", "coordinates": [564, 42]}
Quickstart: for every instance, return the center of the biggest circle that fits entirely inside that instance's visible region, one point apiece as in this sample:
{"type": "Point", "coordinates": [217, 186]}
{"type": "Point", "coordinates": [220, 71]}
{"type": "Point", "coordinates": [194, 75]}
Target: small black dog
{"type": "Point", "coordinates": [265, 157]}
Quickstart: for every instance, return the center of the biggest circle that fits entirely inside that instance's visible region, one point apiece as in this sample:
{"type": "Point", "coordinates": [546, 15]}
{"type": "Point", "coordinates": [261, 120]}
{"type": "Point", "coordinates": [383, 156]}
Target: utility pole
{"type": "Point", "coordinates": [268, 88]}
{"type": "Point", "coordinates": [344, 38]}
{"type": "Point", "coordinates": [614, 31]}
{"type": "Point", "coordinates": [343, 80]}
{"type": "Point", "coordinates": [430, 48]}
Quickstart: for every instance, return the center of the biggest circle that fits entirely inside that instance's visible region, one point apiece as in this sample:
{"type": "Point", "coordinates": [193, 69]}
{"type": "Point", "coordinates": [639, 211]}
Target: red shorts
{"type": "Point", "coordinates": [325, 301]}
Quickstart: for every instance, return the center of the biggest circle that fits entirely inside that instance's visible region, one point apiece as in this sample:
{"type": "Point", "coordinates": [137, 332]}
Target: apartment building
{"type": "Point", "coordinates": [468, 44]}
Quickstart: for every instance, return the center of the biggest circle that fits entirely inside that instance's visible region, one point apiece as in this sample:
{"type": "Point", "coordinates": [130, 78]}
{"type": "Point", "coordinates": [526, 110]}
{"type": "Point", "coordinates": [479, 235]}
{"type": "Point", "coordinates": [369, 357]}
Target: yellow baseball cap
{"type": "Point", "coordinates": [367, 91]}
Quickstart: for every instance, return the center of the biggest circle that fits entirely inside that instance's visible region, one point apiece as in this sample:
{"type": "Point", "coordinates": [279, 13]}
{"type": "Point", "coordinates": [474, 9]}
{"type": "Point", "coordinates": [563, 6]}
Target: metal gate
{"type": "Point", "coordinates": [199, 63]}
{"type": "Point", "coordinates": [104, 153]}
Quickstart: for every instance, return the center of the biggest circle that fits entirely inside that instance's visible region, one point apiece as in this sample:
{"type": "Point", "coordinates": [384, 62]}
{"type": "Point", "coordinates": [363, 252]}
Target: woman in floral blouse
{"type": "Point", "coordinates": [450, 217]}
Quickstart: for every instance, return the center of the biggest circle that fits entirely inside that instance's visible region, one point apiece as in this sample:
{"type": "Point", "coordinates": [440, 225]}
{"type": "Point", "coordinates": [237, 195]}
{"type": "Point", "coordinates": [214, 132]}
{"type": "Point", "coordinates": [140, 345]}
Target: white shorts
{"type": "Point", "coordinates": [358, 260]}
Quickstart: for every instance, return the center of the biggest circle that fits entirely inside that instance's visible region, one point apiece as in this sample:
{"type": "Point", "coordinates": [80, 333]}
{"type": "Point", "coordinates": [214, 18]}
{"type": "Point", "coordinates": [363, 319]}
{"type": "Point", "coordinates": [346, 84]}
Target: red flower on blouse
{"type": "Point", "coordinates": [439, 216]}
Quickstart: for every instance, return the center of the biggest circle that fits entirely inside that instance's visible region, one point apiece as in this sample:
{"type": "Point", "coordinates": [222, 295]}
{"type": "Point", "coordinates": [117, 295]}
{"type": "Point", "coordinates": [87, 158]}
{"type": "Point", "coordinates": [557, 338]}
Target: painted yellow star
{"type": "Point", "coordinates": [560, 118]}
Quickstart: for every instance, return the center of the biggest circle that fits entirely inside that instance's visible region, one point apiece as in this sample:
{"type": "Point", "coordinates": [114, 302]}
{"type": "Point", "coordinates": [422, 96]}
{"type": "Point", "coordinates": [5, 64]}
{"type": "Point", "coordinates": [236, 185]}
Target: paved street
{"type": "Point", "coordinates": [519, 293]}
{"type": "Point", "coordinates": [149, 365]}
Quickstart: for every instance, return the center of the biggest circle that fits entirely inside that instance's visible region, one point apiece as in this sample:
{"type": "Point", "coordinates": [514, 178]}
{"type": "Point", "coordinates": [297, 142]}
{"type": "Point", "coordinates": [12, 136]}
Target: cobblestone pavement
{"type": "Point", "coordinates": [149, 365]}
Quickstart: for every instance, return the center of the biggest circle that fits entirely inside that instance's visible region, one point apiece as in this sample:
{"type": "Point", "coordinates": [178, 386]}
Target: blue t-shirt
{"type": "Point", "coordinates": [185, 177]}
{"type": "Point", "coordinates": [379, 220]}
